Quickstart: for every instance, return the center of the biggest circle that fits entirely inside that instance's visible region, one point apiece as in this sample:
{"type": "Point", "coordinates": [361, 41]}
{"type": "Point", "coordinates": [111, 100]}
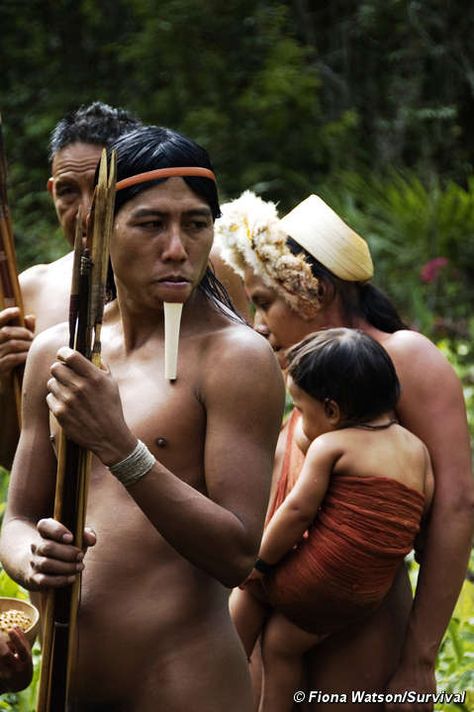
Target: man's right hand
{"type": "Point", "coordinates": [55, 561]}
{"type": "Point", "coordinates": [15, 341]}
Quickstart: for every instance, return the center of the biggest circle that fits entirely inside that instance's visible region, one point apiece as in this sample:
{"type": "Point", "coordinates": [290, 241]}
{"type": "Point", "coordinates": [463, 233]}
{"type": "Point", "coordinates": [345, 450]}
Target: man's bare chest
{"type": "Point", "coordinates": [168, 417]}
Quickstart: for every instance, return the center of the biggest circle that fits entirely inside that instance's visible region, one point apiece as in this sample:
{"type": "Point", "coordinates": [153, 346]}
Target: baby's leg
{"type": "Point", "coordinates": [248, 615]}
{"type": "Point", "coordinates": [284, 645]}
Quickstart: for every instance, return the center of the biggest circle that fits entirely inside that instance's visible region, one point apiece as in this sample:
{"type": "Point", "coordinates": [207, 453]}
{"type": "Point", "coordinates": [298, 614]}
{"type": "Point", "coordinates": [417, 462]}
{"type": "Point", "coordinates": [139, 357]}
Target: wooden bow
{"type": "Point", "coordinates": [85, 321]}
{"type": "Point", "coordinates": [10, 293]}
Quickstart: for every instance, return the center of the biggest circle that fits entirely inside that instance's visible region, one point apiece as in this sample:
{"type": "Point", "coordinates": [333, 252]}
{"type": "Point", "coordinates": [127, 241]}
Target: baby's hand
{"type": "Point", "coordinates": [16, 665]}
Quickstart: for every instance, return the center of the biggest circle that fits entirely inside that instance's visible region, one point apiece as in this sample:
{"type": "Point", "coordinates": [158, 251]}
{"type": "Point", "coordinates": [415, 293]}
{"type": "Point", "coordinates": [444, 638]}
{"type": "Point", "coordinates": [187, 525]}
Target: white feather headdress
{"type": "Point", "coordinates": [249, 235]}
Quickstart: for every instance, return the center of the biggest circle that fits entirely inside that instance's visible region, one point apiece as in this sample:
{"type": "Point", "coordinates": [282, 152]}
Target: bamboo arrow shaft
{"type": "Point", "coordinates": [86, 308]}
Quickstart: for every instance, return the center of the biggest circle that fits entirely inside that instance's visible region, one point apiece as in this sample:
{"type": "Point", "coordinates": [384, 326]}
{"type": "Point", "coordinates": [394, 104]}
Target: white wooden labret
{"type": "Point", "coordinates": [172, 323]}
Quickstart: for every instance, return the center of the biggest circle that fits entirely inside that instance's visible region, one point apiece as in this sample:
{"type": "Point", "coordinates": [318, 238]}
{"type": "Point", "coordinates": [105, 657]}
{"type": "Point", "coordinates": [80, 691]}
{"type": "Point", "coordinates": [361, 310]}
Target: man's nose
{"type": "Point", "coordinates": [86, 199]}
{"type": "Point", "coordinates": [174, 249]}
{"type": "Point", "coordinates": [85, 207]}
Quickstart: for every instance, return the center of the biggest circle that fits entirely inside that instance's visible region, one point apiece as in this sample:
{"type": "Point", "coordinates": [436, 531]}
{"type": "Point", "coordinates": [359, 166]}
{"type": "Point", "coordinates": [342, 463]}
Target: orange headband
{"type": "Point", "coordinates": [166, 173]}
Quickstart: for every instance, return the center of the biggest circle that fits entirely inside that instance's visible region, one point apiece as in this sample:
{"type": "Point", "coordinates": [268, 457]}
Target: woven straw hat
{"type": "Point", "coordinates": [322, 233]}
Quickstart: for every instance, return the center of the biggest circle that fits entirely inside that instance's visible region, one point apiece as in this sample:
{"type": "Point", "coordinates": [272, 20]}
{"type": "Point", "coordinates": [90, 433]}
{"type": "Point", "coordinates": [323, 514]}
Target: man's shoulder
{"type": "Point", "coordinates": [37, 276]}
{"type": "Point", "coordinates": [237, 341]}
{"type": "Point", "coordinates": [33, 278]}
{"type": "Point", "coordinates": [237, 355]}
{"type": "Point", "coordinates": [47, 342]}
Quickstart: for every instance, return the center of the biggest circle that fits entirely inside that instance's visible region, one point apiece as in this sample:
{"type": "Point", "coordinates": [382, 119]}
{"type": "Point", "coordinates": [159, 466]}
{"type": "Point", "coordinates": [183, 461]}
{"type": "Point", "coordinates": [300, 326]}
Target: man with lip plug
{"type": "Point", "coordinates": [181, 470]}
{"type": "Point", "coordinates": [75, 147]}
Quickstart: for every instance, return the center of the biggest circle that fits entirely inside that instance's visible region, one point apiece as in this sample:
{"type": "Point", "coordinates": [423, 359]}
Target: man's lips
{"type": "Point", "coordinates": [173, 279]}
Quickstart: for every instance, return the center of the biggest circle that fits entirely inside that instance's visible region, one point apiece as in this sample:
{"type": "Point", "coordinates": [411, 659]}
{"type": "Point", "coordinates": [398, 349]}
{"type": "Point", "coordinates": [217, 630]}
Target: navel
{"type": "Point", "coordinates": [161, 442]}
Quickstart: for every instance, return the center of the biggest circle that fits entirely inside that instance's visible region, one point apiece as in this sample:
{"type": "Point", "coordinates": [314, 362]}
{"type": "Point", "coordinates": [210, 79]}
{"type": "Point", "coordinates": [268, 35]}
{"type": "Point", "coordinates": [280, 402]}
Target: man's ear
{"type": "Point", "coordinates": [332, 411]}
{"type": "Point", "coordinates": [50, 185]}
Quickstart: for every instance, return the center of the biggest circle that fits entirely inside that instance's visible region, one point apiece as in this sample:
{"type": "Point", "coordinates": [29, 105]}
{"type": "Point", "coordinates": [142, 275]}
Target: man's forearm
{"type": "Point", "coordinates": [210, 536]}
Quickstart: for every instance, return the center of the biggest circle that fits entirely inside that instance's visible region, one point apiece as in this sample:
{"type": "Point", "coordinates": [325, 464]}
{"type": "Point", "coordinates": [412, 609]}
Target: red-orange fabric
{"type": "Point", "coordinates": [293, 460]}
{"type": "Point", "coordinates": [347, 562]}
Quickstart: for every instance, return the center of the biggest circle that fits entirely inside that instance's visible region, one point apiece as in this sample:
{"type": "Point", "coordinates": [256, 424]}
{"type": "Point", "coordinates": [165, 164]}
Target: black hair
{"type": "Point", "coordinates": [97, 123]}
{"type": "Point", "coordinates": [359, 299]}
{"type": "Point", "coordinates": [152, 147]}
{"type": "Point", "coordinates": [349, 367]}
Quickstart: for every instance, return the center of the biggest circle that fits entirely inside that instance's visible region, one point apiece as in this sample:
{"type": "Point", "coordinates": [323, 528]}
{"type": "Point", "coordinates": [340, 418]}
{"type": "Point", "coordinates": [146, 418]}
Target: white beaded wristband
{"type": "Point", "coordinates": [134, 466]}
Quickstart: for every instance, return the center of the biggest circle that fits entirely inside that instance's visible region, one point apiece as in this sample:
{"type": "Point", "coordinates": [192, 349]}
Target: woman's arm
{"type": "Point", "coordinates": [432, 407]}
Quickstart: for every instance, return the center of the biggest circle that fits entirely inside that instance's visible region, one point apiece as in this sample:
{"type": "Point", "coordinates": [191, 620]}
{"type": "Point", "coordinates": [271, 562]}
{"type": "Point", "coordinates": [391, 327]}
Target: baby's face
{"type": "Point", "coordinates": [316, 417]}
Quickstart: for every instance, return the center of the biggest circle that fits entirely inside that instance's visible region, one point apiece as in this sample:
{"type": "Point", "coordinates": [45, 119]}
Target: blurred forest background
{"type": "Point", "coordinates": [370, 104]}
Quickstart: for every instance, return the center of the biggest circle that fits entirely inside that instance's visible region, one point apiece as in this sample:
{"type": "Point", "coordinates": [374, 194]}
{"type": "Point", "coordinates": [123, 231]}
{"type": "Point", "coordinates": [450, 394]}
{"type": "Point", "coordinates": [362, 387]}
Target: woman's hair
{"type": "Point", "coordinates": [359, 299]}
{"type": "Point", "coordinates": [349, 367]}
{"type": "Point", "coordinates": [149, 148]}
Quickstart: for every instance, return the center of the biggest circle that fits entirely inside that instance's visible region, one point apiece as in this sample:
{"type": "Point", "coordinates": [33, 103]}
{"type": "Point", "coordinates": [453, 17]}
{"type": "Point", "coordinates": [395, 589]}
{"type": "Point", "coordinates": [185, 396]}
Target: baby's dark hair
{"type": "Point", "coordinates": [349, 367]}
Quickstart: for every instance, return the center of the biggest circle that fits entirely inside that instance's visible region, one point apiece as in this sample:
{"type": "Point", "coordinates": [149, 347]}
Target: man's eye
{"type": "Point", "coordinates": [65, 191]}
{"type": "Point", "coordinates": [151, 224]}
{"type": "Point", "coordinates": [197, 225]}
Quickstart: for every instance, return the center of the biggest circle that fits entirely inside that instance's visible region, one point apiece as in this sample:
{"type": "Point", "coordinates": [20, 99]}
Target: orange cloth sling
{"type": "Point", "coordinates": [347, 562]}
{"type": "Point", "coordinates": [293, 460]}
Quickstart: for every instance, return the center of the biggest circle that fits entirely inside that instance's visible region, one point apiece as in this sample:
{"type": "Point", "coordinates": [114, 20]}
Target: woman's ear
{"type": "Point", "coordinates": [325, 291]}
{"type": "Point", "coordinates": [332, 411]}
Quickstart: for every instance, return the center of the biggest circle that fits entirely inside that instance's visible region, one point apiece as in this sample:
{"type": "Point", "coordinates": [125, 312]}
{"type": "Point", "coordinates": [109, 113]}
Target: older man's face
{"type": "Point", "coordinates": [72, 184]}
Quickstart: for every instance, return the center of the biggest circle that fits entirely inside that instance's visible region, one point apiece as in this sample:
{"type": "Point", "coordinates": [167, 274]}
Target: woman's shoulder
{"type": "Point", "coordinates": [411, 350]}
{"type": "Point", "coordinates": [429, 383]}
{"type": "Point", "coordinates": [407, 340]}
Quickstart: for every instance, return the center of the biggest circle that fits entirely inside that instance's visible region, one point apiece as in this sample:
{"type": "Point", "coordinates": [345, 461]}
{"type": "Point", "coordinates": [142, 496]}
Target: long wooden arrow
{"type": "Point", "coordinates": [72, 478]}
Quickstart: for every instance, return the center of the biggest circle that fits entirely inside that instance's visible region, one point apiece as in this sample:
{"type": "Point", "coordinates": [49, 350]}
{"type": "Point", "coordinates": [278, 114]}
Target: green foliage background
{"type": "Point", "coordinates": [369, 104]}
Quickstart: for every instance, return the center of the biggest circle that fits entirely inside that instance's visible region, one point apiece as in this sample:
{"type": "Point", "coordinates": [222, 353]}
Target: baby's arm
{"type": "Point", "coordinates": [299, 509]}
